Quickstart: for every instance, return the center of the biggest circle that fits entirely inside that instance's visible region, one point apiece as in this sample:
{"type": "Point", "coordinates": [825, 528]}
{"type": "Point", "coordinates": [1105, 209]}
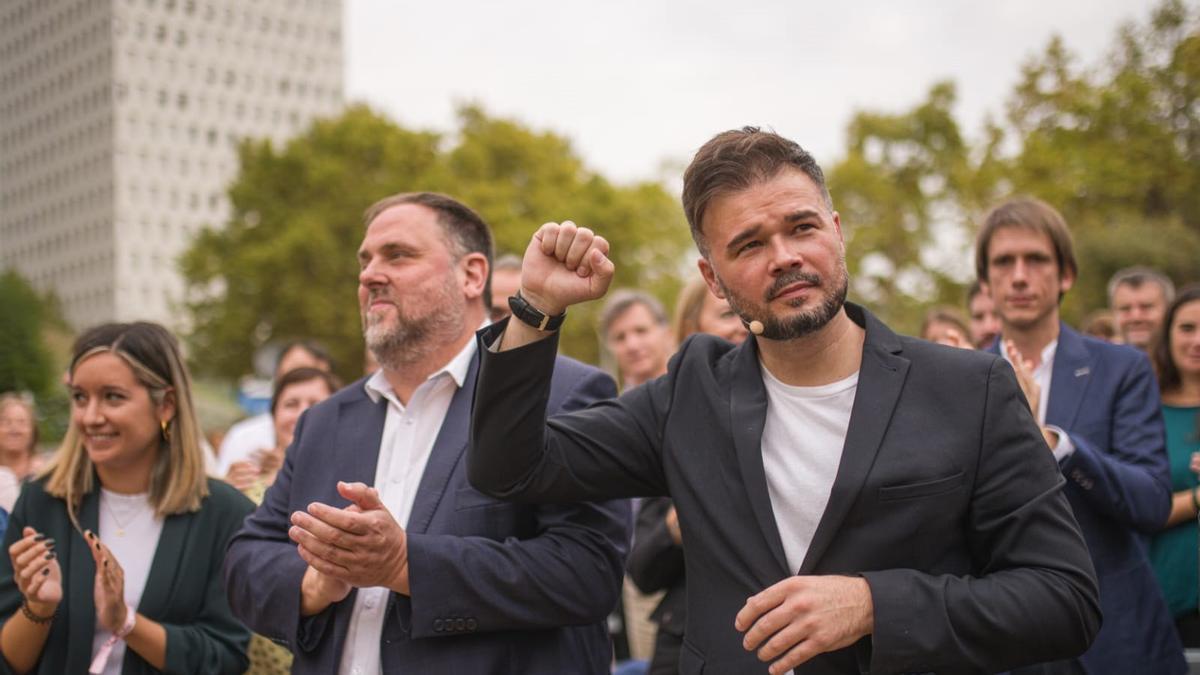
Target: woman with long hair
{"type": "Point", "coordinates": [1175, 551]}
{"type": "Point", "coordinates": [116, 549]}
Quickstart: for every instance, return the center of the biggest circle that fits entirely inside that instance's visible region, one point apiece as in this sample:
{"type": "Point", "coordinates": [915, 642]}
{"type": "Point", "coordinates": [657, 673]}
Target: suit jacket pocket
{"type": "Point", "coordinates": [926, 488]}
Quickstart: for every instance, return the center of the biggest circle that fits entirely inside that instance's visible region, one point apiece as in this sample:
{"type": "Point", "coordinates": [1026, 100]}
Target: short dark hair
{"type": "Point", "coordinates": [1169, 378]}
{"type": "Point", "coordinates": [465, 230]}
{"type": "Point", "coordinates": [301, 375]}
{"type": "Point", "coordinates": [625, 299]}
{"type": "Point", "coordinates": [1136, 276]}
{"type": "Point", "coordinates": [311, 346]}
{"type": "Point", "coordinates": [736, 159]}
{"type": "Point", "coordinates": [1031, 214]}
{"type": "Point", "coordinates": [976, 288]}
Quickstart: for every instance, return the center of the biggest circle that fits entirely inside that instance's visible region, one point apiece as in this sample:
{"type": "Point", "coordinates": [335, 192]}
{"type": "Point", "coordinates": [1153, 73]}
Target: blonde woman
{"type": "Point", "coordinates": [115, 551]}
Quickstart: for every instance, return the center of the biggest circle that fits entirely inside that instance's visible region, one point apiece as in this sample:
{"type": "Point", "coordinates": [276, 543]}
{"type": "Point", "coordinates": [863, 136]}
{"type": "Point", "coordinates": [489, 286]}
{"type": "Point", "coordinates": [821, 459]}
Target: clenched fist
{"type": "Point", "coordinates": [564, 264]}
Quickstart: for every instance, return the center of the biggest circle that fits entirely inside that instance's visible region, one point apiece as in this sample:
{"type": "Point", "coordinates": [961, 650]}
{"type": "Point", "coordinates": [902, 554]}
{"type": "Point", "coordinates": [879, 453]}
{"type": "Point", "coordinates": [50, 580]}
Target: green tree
{"type": "Point", "coordinates": [284, 264]}
{"type": "Point", "coordinates": [1116, 148]}
{"type": "Point", "coordinates": [25, 364]}
{"type": "Point", "coordinates": [907, 180]}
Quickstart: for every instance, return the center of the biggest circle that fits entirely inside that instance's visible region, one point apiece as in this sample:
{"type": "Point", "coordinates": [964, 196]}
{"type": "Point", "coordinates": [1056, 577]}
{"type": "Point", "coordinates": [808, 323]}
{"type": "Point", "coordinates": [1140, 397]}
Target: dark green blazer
{"type": "Point", "coordinates": [184, 592]}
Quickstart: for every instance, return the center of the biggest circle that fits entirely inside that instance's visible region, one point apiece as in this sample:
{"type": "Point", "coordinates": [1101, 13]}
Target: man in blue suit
{"type": "Point", "coordinates": [371, 553]}
{"type": "Point", "coordinates": [1098, 408]}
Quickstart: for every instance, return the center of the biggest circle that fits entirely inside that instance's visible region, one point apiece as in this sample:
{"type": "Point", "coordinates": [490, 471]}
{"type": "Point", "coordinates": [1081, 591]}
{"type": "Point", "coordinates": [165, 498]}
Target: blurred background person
{"type": "Point", "coordinates": [945, 325]}
{"type": "Point", "coordinates": [699, 311]}
{"type": "Point", "coordinates": [1101, 324]}
{"type": "Point", "coordinates": [983, 324]}
{"type": "Point", "coordinates": [18, 443]}
{"type": "Point", "coordinates": [634, 329]}
{"type": "Point", "coordinates": [254, 435]}
{"type": "Point", "coordinates": [633, 326]}
{"type": "Point", "coordinates": [125, 508]}
{"type": "Point", "coordinates": [506, 281]}
{"type": "Point", "coordinates": [296, 391]}
{"type": "Point", "coordinates": [656, 560]}
{"type": "Point", "coordinates": [1174, 551]}
{"type": "Point", "coordinates": [1138, 297]}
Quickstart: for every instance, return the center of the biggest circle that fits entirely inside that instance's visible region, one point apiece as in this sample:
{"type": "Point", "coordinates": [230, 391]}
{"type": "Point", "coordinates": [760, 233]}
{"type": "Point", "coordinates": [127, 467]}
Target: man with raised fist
{"type": "Point", "coordinates": [849, 499]}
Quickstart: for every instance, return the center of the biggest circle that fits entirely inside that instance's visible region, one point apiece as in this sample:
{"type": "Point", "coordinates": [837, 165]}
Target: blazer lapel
{"type": "Point", "coordinates": [359, 433]}
{"type": "Point", "coordinates": [1068, 380]}
{"type": "Point", "coordinates": [164, 568]}
{"type": "Point", "coordinates": [748, 414]}
{"type": "Point", "coordinates": [81, 572]}
{"type": "Point", "coordinates": [447, 452]}
{"type": "Point", "coordinates": [880, 379]}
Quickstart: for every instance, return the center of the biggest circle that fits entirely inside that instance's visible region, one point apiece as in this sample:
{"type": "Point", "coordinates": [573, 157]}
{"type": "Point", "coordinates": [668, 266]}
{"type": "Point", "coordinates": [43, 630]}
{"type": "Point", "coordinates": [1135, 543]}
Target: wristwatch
{"type": "Point", "coordinates": [529, 314]}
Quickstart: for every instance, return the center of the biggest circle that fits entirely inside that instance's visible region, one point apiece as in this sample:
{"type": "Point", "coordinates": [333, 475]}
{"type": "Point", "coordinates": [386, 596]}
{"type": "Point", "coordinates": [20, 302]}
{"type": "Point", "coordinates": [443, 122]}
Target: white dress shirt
{"type": "Point", "coordinates": [1041, 375]}
{"type": "Point", "coordinates": [409, 432]}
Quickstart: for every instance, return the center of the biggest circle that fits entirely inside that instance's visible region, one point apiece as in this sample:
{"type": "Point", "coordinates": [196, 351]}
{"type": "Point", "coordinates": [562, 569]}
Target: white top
{"type": "Point", "coordinates": [802, 444]}
{"type": "Point", "coordinates": [1042, 375]}
{"type": "Point", "coordinates": [10, 488]}
{"type": "Point", "coordinates": [409, 433]}
{"type": "Point", "coordinates": [129, 528]}
{"type": "Point", "coordinates": [243, 440]}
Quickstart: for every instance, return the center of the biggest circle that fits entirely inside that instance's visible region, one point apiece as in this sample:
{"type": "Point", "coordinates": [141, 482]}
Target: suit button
{"type": "Point", "coordinates": [666, 618]}
{"type": "Point", "coordinates": [460, 624]}
{"type": "Point", "coordinates": [472, 624]}
{"type": "Point", "coordinates": [438, 625]}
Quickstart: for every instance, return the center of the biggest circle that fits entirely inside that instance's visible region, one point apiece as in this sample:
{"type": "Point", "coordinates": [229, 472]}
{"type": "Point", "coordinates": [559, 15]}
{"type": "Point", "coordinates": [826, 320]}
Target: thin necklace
{"type": "Point", "coordinates": [113, 513]}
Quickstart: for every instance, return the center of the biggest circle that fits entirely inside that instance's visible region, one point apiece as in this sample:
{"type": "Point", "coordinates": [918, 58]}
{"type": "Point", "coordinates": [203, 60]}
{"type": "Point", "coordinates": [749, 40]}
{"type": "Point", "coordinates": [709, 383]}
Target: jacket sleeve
{"type": "Point", "coordinates": [1129, 482]}
{"type": "Point", "coordinates": [568, 573]}
{"type": "Point", "coordinates": [263, 571]}
{"type": "Point", "coordinates": [1035, 586]}
{"type": "Point", "coordinates": [215, 641]}
{"type": "Point", "coordinates": [610, 449]}
{"type": "Point", "coordinates": [655, 561]}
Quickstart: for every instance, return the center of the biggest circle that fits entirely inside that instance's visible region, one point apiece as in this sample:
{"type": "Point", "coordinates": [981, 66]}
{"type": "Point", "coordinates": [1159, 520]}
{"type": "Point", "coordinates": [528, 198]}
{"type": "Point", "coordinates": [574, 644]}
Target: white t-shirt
{"type": "Point", "coordinates": [129, 528]}
{"type": "Point", "coordinates": [802, 444]}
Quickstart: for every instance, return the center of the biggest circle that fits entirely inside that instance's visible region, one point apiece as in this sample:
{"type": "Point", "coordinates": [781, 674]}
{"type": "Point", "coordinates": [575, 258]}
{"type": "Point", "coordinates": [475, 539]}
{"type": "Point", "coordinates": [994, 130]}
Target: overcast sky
{"type": "Point", "coordinates": [635, 84]}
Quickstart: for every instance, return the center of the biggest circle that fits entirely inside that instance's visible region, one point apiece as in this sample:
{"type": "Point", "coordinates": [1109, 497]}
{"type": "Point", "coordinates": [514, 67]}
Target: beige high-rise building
{"type": "Point", "coordinates": [119, 124]}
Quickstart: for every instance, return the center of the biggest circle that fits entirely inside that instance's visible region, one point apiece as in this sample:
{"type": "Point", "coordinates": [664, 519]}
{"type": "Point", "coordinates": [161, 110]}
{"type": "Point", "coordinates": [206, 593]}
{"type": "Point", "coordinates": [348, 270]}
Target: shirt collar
{"type": "Point", "coordinates": [1047, 360]}
{"type": "Point", "coordinates": [377, 385]}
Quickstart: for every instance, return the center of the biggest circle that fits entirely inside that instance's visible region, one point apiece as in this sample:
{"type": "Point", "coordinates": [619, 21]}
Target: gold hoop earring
{"type": "Point", "coordinates": [166, 432]}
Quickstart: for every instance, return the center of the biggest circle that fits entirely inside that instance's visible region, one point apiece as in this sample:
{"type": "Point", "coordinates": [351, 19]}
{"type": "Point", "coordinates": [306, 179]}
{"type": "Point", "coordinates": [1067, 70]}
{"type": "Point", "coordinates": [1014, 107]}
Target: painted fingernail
{"type": "Point", "coordinates": [106, 563]}
{"type": "Point", "coordinates": [97, 546]}
{"type": "Point", "coordinates": [39, 537]}
{"type": "Point", "coordinates": [46, 571]}
{"type": "Point", "coordinates": [49, 556]}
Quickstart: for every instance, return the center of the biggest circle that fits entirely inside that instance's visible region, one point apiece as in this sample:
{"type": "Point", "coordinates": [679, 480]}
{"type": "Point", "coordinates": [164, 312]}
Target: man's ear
{"type": "Point", "coordinates": [473, 271]}
{"type": "Point", "coordinates": [710, 277]}
{"type": "Point", "coordinates": [1066, 279]}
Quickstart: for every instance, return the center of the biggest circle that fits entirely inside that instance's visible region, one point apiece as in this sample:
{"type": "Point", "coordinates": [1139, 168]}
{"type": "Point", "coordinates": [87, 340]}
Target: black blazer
{"type": "Point", "coordinates": [656, 564]}
{"type": "Point", "coordinates": [946, 500]}
{"type": "Point", "coordinates": [184, 591]}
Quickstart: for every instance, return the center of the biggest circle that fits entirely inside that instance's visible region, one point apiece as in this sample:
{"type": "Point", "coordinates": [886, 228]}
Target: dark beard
{"type": "Point", "coordinates": [802, 324]}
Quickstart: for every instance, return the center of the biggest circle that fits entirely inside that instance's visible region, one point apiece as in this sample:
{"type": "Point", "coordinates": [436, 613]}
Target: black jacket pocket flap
{"type": "Point", "coordinates": [922, 489]}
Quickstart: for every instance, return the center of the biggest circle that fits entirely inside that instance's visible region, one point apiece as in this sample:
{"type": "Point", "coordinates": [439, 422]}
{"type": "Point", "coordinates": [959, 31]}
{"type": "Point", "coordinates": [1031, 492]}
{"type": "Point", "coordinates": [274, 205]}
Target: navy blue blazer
{"type": "Point", "coordinates": [496, 587]}
{"type": "Point", "coordinates": [1118, 483]}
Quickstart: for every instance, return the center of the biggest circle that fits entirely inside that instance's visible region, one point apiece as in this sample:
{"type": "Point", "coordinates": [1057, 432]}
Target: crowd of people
{"type": "Point", "coordinates": [778, 482]}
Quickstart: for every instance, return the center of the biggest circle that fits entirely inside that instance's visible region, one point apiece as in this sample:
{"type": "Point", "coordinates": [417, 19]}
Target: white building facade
{"type": "Point", "coordinates": [119, 126]}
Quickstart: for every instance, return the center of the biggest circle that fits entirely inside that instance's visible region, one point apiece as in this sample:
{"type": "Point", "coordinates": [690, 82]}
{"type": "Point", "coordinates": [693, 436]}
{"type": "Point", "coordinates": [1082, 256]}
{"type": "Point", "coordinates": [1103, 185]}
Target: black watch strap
{"type": "Point", "coordinates": [529, 314]}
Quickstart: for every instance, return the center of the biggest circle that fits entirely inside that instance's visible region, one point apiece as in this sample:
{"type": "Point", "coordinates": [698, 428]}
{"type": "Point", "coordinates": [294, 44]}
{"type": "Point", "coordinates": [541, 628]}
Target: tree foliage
{"type": "Point", "coordinates": [1115, 146]}
{"type": "Point", "coordinates": [284, 265]}
{"type": "Point", "coordinates": [25, 364]}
